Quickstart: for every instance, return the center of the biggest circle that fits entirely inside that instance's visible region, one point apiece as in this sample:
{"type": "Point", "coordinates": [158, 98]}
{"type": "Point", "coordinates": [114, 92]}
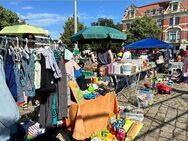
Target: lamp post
{"type": "Point", "coordinates": [75, 21]}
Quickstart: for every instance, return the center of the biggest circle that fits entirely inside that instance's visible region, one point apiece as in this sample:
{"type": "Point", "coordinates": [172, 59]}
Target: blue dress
{"type": "Point", "coordinates": [29, 69]}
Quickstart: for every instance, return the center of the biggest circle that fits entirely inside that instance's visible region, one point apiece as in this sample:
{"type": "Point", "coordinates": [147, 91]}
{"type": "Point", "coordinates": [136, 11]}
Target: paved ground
{"type": "Point", "coordinates": [167, 118]}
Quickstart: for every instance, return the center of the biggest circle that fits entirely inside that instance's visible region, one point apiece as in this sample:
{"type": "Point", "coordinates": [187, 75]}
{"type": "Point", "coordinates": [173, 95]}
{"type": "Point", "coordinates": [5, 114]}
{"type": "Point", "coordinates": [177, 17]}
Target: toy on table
{"type": "Point", "coordinates": [134, 130]}
{"type": "Point", "coordinates": [121, 134]}
{"type": "Point", "coordinates": [128, 124]}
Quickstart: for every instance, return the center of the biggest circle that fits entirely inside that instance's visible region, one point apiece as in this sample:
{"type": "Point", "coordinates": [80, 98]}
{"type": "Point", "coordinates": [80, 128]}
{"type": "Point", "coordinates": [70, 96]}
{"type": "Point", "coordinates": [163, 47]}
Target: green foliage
{"type": "Point", "coordinates": [109, 23]}
{"type": "Point", "coordinates": [142, 28]}
{"type": "Point", "coordinates": [69, 31]}
{"type": "Point", "coordinates": [8, 18]}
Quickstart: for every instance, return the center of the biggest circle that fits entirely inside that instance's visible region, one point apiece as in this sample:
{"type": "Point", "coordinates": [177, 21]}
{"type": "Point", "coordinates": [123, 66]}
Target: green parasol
{"type": "Point", "coordinates": [98, 33]}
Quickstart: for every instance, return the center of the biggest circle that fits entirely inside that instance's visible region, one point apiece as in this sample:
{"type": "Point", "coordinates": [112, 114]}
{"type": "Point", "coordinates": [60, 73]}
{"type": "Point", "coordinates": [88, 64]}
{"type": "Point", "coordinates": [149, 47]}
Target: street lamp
{"type": "Point", "coordinates": [75, 21]}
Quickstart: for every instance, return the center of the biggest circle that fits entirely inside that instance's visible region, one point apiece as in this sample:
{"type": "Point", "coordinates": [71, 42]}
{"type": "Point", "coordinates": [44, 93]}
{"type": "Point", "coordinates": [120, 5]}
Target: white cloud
{"type": "Point", "coordinates": [27, 8]}
{"type": "Point", "coordinates": [43, 19]}
{"type": "Point", "coordinates": [85, 16]}
{"type": "Point", "coordinates": [106, 16]}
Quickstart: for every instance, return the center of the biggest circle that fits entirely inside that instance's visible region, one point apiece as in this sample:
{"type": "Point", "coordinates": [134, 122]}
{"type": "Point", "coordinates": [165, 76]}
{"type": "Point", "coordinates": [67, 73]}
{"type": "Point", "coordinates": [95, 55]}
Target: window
{"type": "Point", "coordinates": [174, 7]}
{"type": "Point", "coordinates": [173, 36]}
{"type": "Point", "coordinates": [174, 21]}
{"type": "Point", "coordinates": [153, 12]}
{"type": "Point", "coordinates": [160, 10]}
{"type": "Point", "coordinates": [128, 25]}
{"type": "Point", "coordinates": [159, 22]}
{"type": "Point", "coordinates": [177, 20]}
{"type": "Point", "coordinates": [131, 14]}
{"type": "Point", "coordinates": [147, 12]}
{"type": "Point", "coordinates": [171, 22]}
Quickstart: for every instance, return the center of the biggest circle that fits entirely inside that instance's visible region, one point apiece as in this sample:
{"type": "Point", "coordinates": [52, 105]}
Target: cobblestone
{"type": "Point", "coordinates": [167, 119]}
{"type": "Point", "coordinates": [166, 135]}
{"type": "Point", "coordinates": [180, 137]}
{"type": "Point", "coordinates": [181, 125]}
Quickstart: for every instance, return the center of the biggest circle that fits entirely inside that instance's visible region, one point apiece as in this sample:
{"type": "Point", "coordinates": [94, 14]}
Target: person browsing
{"type": "Point", "coordinates": [103, 79]}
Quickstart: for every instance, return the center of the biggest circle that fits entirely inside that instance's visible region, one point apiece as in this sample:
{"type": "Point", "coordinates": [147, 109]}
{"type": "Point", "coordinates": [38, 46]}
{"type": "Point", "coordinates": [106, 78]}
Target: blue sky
{"type": "Point", "coordinates": [52, 14]}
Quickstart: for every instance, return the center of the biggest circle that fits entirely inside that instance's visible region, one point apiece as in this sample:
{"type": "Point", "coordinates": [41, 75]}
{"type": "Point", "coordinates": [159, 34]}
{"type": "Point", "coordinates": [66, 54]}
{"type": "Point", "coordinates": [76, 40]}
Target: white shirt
{"type": "Point", "coordinates": [126, 55]}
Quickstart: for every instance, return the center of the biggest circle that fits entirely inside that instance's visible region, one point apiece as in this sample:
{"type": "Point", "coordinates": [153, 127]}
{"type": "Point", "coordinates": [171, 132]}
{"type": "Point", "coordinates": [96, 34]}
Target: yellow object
{"type": "Point", "coordinates": [110, 137]}
{"type": "Point", "coordinates": [23, 29]}
{"type": "Point", "coordinates": [95, 80]}
{"type": "Point", "coordinates": [72, 85]}
{"type": "Point", "coordinates": [120, 54]}
{"type": "Point", "coordinates": [128, 124]}
{"type": "Point", "coordinates": [77, 93]}
{"type": "Point", "coordinates": [134, 130]}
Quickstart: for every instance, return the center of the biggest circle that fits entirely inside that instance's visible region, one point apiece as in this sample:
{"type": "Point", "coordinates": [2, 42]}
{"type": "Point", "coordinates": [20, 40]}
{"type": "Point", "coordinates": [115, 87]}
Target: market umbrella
{"type": "Point", "coordinates": [98, 33]}
{"type": "Point", "coordinates": [23, 29]}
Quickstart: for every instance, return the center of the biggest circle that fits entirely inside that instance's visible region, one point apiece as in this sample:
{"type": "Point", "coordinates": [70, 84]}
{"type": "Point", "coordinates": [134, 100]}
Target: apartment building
{"type": "Point", "coordinates": [170, 15]}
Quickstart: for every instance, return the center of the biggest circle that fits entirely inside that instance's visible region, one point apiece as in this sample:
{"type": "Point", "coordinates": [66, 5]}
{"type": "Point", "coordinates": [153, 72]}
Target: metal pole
{"type": "Point", "coordinates": [75, 20]}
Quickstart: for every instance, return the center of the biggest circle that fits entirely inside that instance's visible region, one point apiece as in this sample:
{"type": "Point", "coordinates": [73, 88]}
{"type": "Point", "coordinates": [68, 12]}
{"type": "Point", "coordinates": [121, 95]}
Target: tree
{"type": "Point", "coordinates": [8, 18]}
{"type": "Point", "coordinates": [107, 22]}
{"type": "Point", "coordinates": [142, 28]}
{"type": "Point", "coordinates": [110, 23]}
{"type": "Point", "coordinates": [69, 31]}
{"type": "Point", "coordinates": [104, 22]}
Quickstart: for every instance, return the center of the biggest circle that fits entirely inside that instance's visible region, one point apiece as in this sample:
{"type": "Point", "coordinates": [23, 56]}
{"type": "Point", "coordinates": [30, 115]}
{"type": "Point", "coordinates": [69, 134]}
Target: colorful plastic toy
{"type": "Point", "coordinates": [163, 89]}
{"type": "Point", "coordinates": [121, 134]}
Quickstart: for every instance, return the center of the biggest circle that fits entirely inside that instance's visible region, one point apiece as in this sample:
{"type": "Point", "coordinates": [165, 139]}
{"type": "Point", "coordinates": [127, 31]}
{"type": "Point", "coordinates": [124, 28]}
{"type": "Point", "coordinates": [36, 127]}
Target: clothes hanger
{"type": "Point", "coordinates": [18, 51]}
{"type": "Point", "coordinates": [25, 50]}
{"type": "Point", "coordinates": [1, 46]}
{"type": "Point", "coordinates": [26, 45]}
{"type": "Point", "coordinates": [17, 42]}
{"type": "Point", "coordinates": [6, 42]}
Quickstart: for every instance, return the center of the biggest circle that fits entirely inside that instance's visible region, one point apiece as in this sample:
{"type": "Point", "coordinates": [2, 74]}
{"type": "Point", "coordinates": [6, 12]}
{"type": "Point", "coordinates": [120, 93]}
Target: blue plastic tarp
{"type": "Point", "coordinates": [148, 43]}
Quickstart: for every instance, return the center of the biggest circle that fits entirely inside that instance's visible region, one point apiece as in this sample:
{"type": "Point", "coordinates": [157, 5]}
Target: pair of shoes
{"type": "Point", "coordinates": [25, 106]}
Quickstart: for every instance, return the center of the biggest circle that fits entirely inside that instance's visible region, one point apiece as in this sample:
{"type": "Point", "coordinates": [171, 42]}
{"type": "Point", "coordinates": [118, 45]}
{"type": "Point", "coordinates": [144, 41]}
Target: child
{"type": "Point", "coordinates": [104, 79]}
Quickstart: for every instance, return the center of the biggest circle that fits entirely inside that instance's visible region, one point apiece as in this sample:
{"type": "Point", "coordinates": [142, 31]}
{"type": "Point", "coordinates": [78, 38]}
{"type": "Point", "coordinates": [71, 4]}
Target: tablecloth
{"type": "Point", "coordinates": [91, 116]}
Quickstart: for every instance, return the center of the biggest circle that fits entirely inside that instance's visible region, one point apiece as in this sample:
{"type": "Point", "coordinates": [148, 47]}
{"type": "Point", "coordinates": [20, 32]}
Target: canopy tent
{"type": "Point", "coordinates": [148, 43]}
{"type": "Point", "coordinates": [22, 29]}
{"type": "Point", "coordinates": [97, 34]}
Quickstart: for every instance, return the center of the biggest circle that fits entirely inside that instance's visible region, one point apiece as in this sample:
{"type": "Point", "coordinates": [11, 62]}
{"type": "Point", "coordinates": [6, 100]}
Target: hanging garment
{"type": "Point", "coordinates": [68, 55]}
{"type": "Point", "coordinates": [47, 80]}
{"type": "Point", "coordinates": [45, 111]}
{"type": "Point", "coordinates": [62, 92]}
{"type": "Point", "coordinates": [37, 78]}
{"type": "Point", "coordinates": [70, 66]}
{"type": "Point", "coordinates": [18, 70]}
{"type": "Point", "coordinates": [54, 111]}
{"type": "Point", "coordinates": [57, 56]}
{"type": "Point", "coordinates": [50, 62]}
{"type": "Point", "coordinates": [29, 68]}
{"type": "Point", "coordinates": [9, 113]}
{"type": "Point", "coordinates": [10, 75]}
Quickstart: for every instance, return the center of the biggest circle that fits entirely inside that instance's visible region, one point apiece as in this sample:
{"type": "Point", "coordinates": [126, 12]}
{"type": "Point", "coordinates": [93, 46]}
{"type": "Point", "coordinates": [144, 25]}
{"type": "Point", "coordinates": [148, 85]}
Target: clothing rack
{"type": "Point", "coordinates": [24, 40]}
{"type": "Point", "coordinates": [16, 38]}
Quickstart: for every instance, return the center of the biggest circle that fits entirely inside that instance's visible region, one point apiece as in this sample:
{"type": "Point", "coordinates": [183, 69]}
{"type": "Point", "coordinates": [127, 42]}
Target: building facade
{"type": "Point", "coordinates": [170, 15]}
